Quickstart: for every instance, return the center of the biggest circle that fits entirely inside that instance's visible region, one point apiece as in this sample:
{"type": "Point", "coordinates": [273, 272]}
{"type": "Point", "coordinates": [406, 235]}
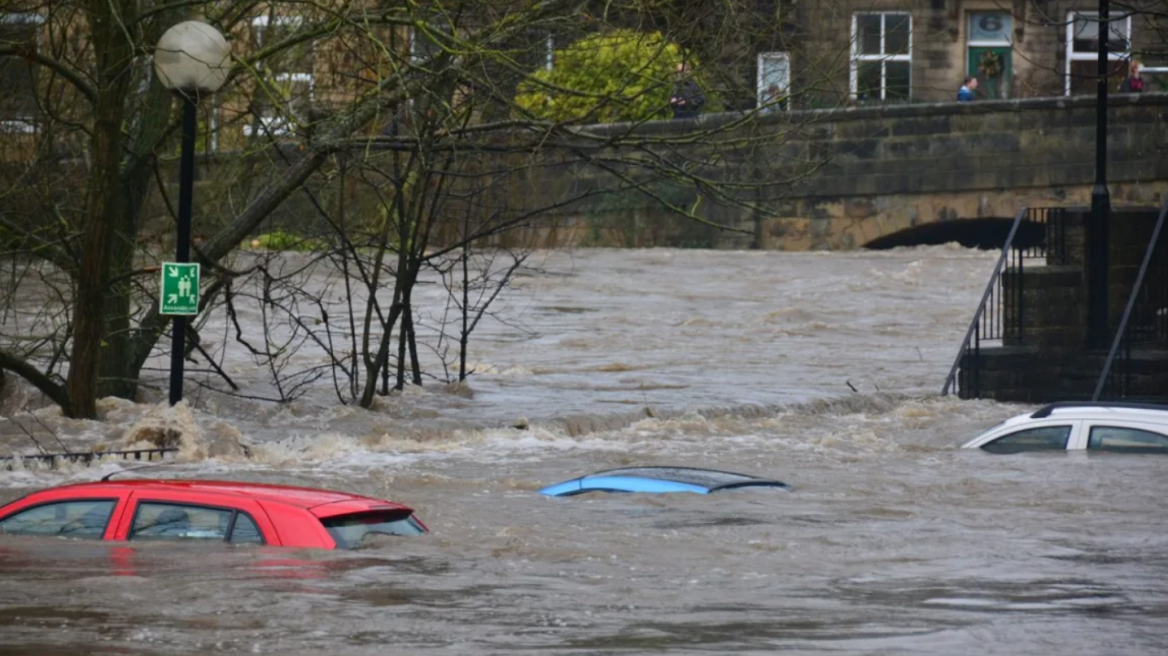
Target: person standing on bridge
{"type": "Point", "coordinates": [1133, 83]}
{"type": "Point", "coordinates": [965, 93]}
{"type": "Point", "coordinates": [687, 98]}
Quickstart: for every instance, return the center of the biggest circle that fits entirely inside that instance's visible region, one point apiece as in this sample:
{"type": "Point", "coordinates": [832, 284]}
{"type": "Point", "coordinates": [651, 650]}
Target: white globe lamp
{"type": "Point", "coordinates": [193, 59]}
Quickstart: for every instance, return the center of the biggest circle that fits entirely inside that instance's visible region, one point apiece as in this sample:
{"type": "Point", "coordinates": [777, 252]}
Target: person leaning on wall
{"type": "Point", "coordinates": [687, 98]}
{"type": "Point", "coordinates": [1133, 83]}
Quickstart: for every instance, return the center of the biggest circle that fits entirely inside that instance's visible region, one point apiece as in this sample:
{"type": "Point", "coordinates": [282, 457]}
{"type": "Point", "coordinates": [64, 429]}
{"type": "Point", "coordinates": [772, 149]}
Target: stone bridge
{"type": "Point", "coordinates": [886, 170]}
{"type": "Point", "coordinates": [878, 176]}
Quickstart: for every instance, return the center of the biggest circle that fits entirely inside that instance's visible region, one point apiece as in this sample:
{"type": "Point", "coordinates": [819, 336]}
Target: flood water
{"type": "Point", "coordinates": [893, 541]}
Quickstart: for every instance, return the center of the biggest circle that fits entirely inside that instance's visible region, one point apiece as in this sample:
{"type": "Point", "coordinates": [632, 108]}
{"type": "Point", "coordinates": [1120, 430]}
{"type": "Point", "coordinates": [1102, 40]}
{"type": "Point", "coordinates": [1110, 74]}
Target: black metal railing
{"type": "Point", "coordinates": [1037, 232]}
{"type": "Point", "coordinates": [1145, 317]}
{"type": "Point", "coordinates": [1055, 240]}
{"type": "Point", "coordinates": [87, 458]}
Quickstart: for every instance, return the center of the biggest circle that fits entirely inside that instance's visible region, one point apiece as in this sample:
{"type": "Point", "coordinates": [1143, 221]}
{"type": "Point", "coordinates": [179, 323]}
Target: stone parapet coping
{"type": "Point", "coordinates": [803, 116]}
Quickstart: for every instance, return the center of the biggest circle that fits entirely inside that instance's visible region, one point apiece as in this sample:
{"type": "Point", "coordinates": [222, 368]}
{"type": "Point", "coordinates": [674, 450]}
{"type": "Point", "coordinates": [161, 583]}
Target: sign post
{"type": "Point", "coordinates": [180, 289]}
{"type": "Point", "coordinates": [193, 59]}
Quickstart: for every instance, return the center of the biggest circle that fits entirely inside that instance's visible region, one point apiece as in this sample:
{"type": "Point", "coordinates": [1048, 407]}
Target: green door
{"type": "Point", "coordinates": [992, 67]}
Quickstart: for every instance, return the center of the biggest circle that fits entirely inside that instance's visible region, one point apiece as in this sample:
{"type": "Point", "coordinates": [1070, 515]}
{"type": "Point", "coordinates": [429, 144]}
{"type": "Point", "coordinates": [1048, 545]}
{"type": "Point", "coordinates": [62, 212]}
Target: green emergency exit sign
{"type": "Point", "coordinates": [180, 289]}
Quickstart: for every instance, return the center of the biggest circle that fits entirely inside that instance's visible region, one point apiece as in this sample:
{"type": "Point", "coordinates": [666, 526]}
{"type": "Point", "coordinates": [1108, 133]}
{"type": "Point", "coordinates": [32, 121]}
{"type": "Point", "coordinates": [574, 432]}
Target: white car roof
{"type": "Point", "coordinates": [1099, 410]}
{"type": "Point", "coordinates": [1080, 411]}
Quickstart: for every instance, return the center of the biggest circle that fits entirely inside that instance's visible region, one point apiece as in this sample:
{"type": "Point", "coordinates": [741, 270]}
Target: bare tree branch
{"type": "Point", "coordinates": [72, 76]}
{"type": "Point", "coordinates": [34, 376]}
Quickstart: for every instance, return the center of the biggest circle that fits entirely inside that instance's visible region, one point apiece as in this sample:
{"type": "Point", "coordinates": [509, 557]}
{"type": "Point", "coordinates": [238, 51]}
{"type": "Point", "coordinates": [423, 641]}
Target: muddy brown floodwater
{"type": "Point", "coordinates": [893, 541]}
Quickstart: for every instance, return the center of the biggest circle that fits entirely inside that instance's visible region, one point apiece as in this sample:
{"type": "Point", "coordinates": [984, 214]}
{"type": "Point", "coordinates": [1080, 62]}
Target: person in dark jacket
{"type": "Point", "coordinates": [687, 98]}
{"type": "Point", "coordinates": [1133, 83]}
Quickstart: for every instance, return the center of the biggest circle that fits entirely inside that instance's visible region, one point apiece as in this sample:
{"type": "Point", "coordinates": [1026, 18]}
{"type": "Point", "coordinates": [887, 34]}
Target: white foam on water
{"type": "Point", "coordinates": [509, 444]}
{"type": "Point", "coordinates": [507, 371]}
{"type": "Point", "coordinates": [37, 474]}
{"type": "Point", "coordinates": [851, 427]}
{"type": "Point", "coordinates": [911, 275]}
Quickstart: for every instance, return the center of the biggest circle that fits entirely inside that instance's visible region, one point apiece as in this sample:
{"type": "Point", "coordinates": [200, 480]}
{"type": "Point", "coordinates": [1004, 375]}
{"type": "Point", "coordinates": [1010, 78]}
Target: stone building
{"type": "Point", "coordinates": [823, 52]}
{"type": "Point", "coordinates": [871, 51]}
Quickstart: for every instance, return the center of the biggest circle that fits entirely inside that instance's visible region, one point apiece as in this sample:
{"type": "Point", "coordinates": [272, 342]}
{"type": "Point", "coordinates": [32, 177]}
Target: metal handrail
{"type": "Point", "coordinates": [89, 457]}
{"type": "Point", "coordinates": [985, 297]}
{"type": "Point", "coordinates": [1121, 332]}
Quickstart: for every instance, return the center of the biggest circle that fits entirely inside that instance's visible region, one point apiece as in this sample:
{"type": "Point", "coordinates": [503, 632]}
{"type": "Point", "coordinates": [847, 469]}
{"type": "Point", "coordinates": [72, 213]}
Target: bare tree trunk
{"type": "Point", "coordinates": [407, 340]}
{"type": "Point", "coordinates": [119, 373]}
{"type": "Point", "coordinates": [402, 336]}
{"type": "Point", "coordinates": [114, 52]}
{"type": "Point", "coordinates": [464, 334]}
{"type": "Point", "coordinates": [342, 200]}
{"type": "Point", "coordinates": [380, 360]}
{"type": "Point", "coordinates": [415, 365]}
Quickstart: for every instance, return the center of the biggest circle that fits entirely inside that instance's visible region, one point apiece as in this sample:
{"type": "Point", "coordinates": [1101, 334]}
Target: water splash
{"type": "Point", "coordinates": [163, 426]}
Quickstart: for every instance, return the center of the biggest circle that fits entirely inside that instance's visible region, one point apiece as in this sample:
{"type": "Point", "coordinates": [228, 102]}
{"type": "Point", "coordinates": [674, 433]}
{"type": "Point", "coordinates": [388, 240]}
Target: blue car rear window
{"type": "Point", "coordinates": [702, 477]}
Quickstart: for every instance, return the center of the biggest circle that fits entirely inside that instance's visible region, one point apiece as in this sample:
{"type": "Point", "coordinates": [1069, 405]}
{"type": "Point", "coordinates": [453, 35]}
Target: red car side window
{"type": "Point", "coordinates": [157, 520]}
{"type": "Point", "coordinates": [244, 530]}
{"type": "Point", "coordinates": [78, 518]}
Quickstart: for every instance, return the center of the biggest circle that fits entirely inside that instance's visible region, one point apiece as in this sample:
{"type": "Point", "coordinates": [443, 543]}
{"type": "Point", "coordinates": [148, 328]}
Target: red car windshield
{"type": "Point", "coordinates": [349, 530]}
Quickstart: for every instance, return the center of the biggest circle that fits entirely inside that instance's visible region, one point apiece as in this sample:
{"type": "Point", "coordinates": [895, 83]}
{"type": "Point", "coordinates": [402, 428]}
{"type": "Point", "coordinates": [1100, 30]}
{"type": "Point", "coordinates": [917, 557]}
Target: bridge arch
{"type": "Point", "coordinates": [984, 233]}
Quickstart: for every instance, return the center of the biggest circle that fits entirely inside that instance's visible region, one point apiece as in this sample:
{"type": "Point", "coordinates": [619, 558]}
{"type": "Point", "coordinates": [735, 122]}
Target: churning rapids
{"type": "Point", "coordinates": [893, 541]}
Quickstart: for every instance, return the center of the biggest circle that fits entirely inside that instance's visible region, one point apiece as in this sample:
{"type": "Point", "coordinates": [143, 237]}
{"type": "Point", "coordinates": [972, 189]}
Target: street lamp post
{"type": "Point", "coordinates": [192, 59]}
{"type": "Point", "coordinates": [1098, 233]}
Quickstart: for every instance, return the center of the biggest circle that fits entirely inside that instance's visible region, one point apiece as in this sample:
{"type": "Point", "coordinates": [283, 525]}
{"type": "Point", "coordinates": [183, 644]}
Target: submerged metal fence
{"type": "Point", "coordinates": [51, 459]}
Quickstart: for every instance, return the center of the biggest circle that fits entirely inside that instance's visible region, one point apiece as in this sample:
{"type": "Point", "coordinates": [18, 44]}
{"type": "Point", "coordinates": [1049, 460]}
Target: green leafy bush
{"type": "Point", "coordinates": [281, 240]}
{"type": "Point", "coordinates": [622, 75]}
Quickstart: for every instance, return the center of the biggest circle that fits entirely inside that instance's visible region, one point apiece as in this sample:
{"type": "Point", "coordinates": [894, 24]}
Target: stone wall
{"type": "Point", "coordinates": [1026, 374]}
{"type": "Point", "coordinates": [870, 172]}
{"type": "Point", "coordinates": [881, 170]}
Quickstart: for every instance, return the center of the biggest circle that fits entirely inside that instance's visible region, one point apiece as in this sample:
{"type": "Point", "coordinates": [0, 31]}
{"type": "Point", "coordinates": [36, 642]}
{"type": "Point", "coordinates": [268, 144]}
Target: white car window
{"type": "Point", "coordinates": [1043, 438]}
{"type": "Point", "coordinates": [1126, 439]}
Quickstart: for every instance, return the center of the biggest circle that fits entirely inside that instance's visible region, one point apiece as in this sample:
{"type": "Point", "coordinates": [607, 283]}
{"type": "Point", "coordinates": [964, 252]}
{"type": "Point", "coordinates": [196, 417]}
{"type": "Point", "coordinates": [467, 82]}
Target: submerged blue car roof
{"type": "Point", "coordinates": [658, 479]}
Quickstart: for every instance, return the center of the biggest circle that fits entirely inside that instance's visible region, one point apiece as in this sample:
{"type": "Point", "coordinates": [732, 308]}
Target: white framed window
{"type": "Point", "coordinates": [774, 80]}
{"type": "Point", "coordinates": [18, 78]}
{"type": "Point", "coordinates": [288, 77]}
{"type": "Point", "coordinates": [1082, 48]}
{"type": "Point", "coordinates": [881, 56]}
{"type": "Point", "coordinates": [1156, 76]}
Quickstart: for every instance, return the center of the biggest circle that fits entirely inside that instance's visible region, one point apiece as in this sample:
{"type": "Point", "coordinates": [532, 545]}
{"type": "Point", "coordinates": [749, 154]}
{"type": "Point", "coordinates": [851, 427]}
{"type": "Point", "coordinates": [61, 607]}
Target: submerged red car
{"type": "Point", "coordinates": [239, 513]}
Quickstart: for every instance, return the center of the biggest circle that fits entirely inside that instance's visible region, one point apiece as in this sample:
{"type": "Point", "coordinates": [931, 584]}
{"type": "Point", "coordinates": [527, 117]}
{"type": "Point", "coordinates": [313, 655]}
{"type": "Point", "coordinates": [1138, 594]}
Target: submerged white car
{"type": "Point", "coordinates": [1117, 427]}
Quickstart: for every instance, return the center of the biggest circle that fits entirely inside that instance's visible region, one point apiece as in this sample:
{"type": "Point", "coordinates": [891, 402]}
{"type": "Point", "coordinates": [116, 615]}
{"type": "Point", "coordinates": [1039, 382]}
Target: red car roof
{"type": "Point", "coordinates": [302, 497]}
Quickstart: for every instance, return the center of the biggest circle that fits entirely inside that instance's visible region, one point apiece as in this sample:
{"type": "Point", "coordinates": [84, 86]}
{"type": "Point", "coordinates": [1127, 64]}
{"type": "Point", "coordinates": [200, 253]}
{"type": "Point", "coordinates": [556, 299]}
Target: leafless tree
{"type": "Point", "coordinates": [407, 111]}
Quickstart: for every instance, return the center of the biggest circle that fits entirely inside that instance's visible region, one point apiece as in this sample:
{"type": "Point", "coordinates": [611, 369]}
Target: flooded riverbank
{"type": "Point", "coordinates": [892, 540]}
